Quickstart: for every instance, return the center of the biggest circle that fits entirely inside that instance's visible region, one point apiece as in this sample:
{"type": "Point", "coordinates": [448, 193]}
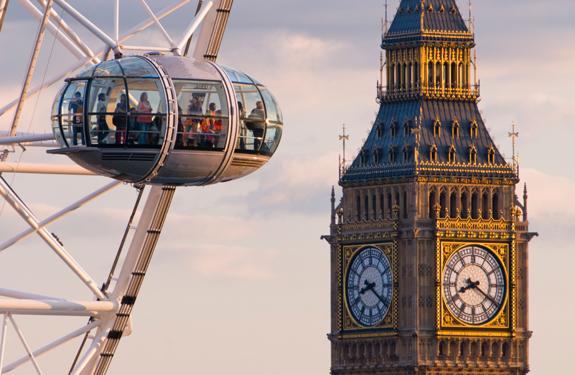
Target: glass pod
{"type": "Point", "coordinates": [166, 120]}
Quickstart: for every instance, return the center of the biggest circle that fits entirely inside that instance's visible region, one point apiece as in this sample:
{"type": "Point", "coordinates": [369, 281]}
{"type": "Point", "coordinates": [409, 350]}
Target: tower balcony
{"type": "Point", "coordinates": [387, 94]}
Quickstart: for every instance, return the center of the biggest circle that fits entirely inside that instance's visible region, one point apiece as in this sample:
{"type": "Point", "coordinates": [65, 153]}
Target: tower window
{"type": "Point", "coordinates": [464, 205]}
{"type": "Point", "coordinates": [364, 157]}
{"type": "Point", "coordinates": [453, 206]}
{"type": "Point", "coordinates": [485, 206]}
{"type": "Point", "coordinates": [475, 206]}
{"type": "Point", "coordinates": [437, 128]}
{"type": "Point", "coordinates": [491, 155]}
{"type": "Point", "coordinates": [452, 156]}
{"type": "Point", "coordinates": [442, 205]}
{"type": "Point", "coordinates": [377, 156]}
{"type": "Point", "coordinates": [474, 129]}
{"type": "Point", "coordinates": [472, 155]}
{"type": "Point", "coordinates": [495, 206]}
{"type": "Point", "coordinates": [379, 130]}
{"type": "Point", "coordinates": [392, 156]}
{"type": "Point", "coordinates": [406, 154]}
{"type": "Point", "coordinates": [393, 129]}
{"type": "Point", "coordinates": [358, 207]}
{"type": "Point", "coordinates": [432, 203]}
{"type": "Point", "coordinates": [455, 129]}
{"type": "Point", "coordinates": [433, 154]}
{"type": "Point", "coordinates": [406, 129]}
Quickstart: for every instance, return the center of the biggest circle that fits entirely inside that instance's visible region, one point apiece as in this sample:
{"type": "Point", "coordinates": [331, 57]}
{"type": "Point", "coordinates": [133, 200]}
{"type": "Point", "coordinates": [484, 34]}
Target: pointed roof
{"type": "Point", "coordinates": [427, 21]}
{"type": "Point", "coordinates": [405, 133]}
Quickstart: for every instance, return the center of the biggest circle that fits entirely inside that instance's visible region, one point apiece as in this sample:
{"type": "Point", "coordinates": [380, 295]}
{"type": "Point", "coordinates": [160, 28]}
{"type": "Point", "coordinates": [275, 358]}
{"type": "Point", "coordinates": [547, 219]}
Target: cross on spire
{"type": "Point", "coordinates": [343, 138]}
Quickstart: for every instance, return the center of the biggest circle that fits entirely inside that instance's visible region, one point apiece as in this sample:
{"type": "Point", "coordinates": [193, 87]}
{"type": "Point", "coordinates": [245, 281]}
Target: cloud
{"type": "Point", "coordinates": [296, 184]}
{"type": "Point", "coordinates": [225, 262]}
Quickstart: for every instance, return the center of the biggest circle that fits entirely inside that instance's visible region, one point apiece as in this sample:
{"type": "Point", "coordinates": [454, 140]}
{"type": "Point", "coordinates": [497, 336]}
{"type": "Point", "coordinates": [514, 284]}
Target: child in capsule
{"type": "Point", "coordinates": [143, 119]}
{"type": "Point", "coordinates": [208, 127]}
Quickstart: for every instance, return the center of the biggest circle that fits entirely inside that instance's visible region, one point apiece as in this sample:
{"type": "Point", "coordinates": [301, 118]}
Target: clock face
{"type": "Point", "coordinates": [369, 286]}
{"type": "Point", "coordinates": [474, 285]}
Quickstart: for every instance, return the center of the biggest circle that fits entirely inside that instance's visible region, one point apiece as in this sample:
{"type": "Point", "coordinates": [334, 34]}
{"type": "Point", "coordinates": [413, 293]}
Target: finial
{"type": "Point", "coordinates": [471, 23]}
{"type": "Point", "coordinates": [386, 22]}
{"type": "Point", "coordinates": [514, 134]}
{"type": "Point", "coordinates": [343, 138]}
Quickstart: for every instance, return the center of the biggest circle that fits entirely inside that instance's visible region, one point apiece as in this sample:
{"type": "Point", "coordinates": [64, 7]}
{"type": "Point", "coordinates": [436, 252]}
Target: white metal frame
{"type": "Point", "coordinates": [110, 307]}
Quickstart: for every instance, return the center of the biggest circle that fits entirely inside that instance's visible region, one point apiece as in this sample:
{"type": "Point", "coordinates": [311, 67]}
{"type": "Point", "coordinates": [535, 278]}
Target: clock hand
{"type": "Point", "coordinates": [476, 287]}
{"type": "Point", "coordinates": [470, 285]}
{"type": "Point", "coordinates": [383, 300]}
{"type": "Point", "coordinates": [368, 286]}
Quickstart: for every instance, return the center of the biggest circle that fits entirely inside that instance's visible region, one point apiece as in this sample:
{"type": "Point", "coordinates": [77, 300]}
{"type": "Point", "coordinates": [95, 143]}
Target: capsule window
{"type": "Point", "coordinates": [274, 124]}
{"type": "Point", "coordinates": [72, 113]}
{"type": "Point", "coordinates": [109, 69]}
{"type": "Point", "coordinates": [252, 118]}
{"type": "Point", "coordinates": [204, 115]}
{"type": "Point", "coordinates": [104, 118]}
{"type": "Point", "coordinates": [147, 114]}
{"type": "Point", "coordinates": [56, 117]}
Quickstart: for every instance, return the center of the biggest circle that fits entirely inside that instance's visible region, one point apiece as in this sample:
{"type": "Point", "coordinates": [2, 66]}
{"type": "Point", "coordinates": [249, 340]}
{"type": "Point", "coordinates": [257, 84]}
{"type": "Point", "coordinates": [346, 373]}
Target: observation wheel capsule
{"type": "Point", "coordinates": [170, 120]}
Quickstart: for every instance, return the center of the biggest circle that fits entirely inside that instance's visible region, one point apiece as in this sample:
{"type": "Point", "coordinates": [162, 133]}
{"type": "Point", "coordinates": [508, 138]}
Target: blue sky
{"type": "Point", "coordinates": [240, 279]}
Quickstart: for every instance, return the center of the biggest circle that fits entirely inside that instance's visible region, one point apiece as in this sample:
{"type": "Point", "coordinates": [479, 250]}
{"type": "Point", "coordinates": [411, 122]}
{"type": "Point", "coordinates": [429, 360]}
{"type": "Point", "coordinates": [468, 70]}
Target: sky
{"type": "Point", "coordinates": [240, 279]}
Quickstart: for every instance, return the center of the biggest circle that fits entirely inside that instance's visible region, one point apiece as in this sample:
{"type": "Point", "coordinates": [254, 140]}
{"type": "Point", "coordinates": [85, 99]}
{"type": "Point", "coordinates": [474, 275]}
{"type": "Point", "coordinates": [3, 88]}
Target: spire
{"type": "Point", "coordinates": [332, 205]}
{"type": "Point", "coordinates": [525, 214]}
{"type": "Point", "coordinates": [430, 20]}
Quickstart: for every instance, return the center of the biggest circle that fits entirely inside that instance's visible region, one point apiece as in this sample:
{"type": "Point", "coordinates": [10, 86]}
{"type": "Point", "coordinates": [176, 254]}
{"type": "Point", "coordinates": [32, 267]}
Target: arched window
{"type": "Point", "coordinates": [393, 129]}
{"type": "Point", "coordinates": [495, 206]}
{"type": "Point", "coordinates": [491, 155]}
{"type": "Point", "coordinates": [406, 154]}
{"type": "Point", "coordinates": [406, 129]}
{"type": "Point", "coordinates": [453, 205]}
{"type": "Point", "coordinates": [453, 75]}
{"type": "Point", "coordinates": [472, 155]}
{"type": "Point", "coordinates": [416, 75]}
{"type": "Point", "coordinates": [377, 156]}
{"type": "Point", "coordinates": [475, 206]}
{"type": "Point", "coordinates": [485, 206]}
{"type": "Point", "coordinates": [379, 130]}
{"type": "Point", "coordinates": [445, 75]}
{"type": "Point", "coordinates": [461, 76]}
{"type": "Point", "coordinates": [452, 156]}
{"type": "Point", "coordinates": [442, 351]}
{"type": "Point", "coordinates": [438, 75]}
{"type": "Point", "coordinates": [464, 205]}
{"type": "Point", "coordinates": [409, 76]}
{"type": "Point", "coordinates": [437, 128]}
{"type": "Point", "coordinates": [505, 350]}
{"type": "Point", "coordinates": [399, 83]}
{"type": "Point", "coordinates": [455, 129]}
{"type": "Point", "coordinates": [433, 154]}
{"type": "Point", "coordinates": [392, 155]}
{"type": "Point", "coordinates": [432, 203]}
{"type": "Point", "coordinates": [443, 204]}
{"type": "Point", "coordinates": [474, 129]}
{"type": "Point", "coordinates": [430, 82]}
{"type": "Point", "coordinates": [392, 83]}
{"type": "Point", "coordinates": [404, 76]}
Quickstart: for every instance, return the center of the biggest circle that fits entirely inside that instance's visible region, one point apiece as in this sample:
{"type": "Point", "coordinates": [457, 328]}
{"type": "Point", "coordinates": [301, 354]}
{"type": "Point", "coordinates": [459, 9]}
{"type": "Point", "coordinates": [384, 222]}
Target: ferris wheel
{"type": "Point", "coordinates": [152, 118]}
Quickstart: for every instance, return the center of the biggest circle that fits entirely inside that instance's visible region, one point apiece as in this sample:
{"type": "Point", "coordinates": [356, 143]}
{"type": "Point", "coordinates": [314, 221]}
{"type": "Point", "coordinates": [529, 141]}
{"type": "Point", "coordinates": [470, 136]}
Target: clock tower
{"type": "Point", "coordinates": [429, 244]}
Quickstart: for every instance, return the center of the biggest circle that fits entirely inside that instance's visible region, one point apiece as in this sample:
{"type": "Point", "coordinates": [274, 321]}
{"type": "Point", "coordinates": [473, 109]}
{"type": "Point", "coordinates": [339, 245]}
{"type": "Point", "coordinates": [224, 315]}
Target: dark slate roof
{"type": "Point", "coordinates": [422, 114]}
{"type": "Point", "coordinates": [441, 16]}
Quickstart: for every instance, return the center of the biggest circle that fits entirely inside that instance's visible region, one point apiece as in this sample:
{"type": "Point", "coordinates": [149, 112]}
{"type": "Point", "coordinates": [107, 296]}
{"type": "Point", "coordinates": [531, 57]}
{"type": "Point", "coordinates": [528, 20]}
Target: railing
{"type": "Point", "coordinates": [386, 93]}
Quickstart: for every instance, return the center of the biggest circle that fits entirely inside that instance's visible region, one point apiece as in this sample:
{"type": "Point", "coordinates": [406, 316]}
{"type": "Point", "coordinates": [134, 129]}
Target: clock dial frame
{"type": "Point", "coordinates": [474, 285]}
{"type": "Point", "coordinates": [369, 286]}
